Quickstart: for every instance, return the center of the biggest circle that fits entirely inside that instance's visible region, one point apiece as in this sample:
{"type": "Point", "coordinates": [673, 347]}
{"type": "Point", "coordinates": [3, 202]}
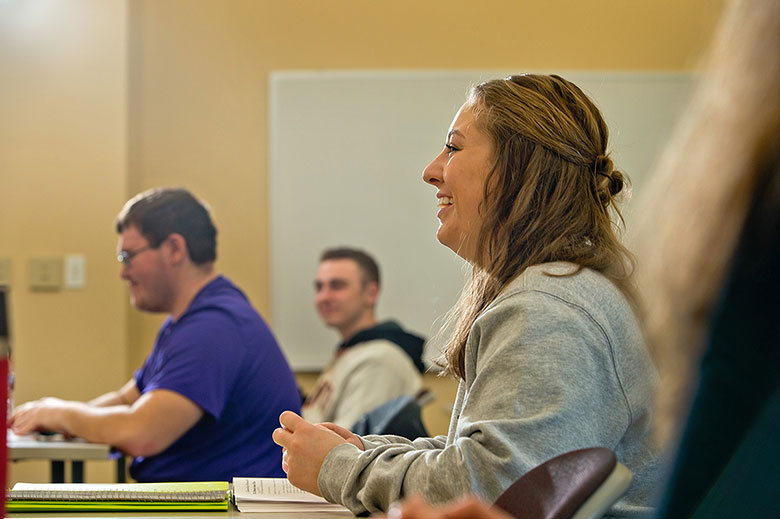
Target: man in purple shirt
{"type": "Point", "coordinates": [208, 397]}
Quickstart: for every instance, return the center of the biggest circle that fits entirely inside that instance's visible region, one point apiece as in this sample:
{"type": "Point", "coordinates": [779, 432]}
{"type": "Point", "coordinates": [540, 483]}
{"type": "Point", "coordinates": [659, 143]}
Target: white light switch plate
{"type": "Point", "coordinates": [75, 271]}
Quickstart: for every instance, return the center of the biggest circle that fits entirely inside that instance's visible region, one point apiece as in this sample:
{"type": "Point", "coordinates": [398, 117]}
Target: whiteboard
{"type": "Point", "coordinates": [346, 154]}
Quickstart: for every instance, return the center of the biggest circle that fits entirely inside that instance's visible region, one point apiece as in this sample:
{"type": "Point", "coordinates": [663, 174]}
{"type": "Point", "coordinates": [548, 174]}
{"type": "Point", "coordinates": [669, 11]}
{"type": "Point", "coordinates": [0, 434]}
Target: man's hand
{"type": "Point", "coordinates": [305, 448]}
{"type": "Point", "coordinates": [46, 414]}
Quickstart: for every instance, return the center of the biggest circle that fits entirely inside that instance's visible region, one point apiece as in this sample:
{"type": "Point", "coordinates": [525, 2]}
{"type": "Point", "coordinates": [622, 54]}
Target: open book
{"type": "Point", "coordinates": [278, 495]}
{"type": "Point", "coordinates": [65, 497]}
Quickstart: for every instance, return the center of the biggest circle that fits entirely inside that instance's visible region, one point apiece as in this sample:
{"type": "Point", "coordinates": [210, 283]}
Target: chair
{"type": "Point", "coordinates": [401, 416]}
{"type": "Point", "coordinates": [581, 484]}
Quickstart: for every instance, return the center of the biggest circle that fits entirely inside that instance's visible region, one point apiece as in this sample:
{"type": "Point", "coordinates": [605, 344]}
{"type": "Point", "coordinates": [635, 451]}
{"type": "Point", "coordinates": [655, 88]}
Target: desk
{"type": "Point", "coordinates": [59, 451]}
{"type": "Point", "coordinates": [232, 513]}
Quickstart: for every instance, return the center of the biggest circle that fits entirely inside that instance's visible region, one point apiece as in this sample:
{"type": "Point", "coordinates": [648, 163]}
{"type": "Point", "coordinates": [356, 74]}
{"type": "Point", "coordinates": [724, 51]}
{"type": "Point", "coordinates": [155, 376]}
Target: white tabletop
{"type": "Point", "coordinates": [53, 448]}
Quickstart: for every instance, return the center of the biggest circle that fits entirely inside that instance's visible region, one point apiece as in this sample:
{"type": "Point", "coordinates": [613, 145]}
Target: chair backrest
{"type": "Point", "coordinates": [576, 485]}
{"type": "Point", "coordinates": [400, 416]}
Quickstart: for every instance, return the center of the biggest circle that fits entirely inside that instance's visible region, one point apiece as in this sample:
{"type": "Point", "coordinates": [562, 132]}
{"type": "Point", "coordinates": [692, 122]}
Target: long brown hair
{"type": "Point", "coordinates": [550, 195]}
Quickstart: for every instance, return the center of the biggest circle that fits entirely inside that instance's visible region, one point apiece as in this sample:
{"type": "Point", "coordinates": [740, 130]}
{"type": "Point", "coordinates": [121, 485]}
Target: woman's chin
{"type": "Point", "coordinates": [457, 245]}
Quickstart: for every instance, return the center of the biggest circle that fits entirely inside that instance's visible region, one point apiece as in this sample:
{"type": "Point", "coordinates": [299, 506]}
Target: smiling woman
{"type": "Point", "coordinates": [546, 345]}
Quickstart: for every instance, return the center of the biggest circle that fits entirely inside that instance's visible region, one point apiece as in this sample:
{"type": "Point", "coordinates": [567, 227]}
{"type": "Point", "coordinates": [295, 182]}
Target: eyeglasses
{"type": "Point", "coordinates": [126, 256]}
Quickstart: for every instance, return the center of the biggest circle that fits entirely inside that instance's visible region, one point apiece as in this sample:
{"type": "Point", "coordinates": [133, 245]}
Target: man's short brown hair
{"type": "Point", "coordinates": [160, 212]}
{"type": "Point", "coordinates": [366, 263]}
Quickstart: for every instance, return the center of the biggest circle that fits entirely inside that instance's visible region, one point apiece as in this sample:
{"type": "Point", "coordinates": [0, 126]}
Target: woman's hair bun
{"type": "Point", "coordinates": [616, 182]}
{"type": "Point", "coordinates": [608, 178]}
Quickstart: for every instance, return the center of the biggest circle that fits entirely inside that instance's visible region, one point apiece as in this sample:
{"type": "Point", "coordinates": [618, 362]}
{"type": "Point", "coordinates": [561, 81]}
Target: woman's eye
{"type": "Point", "coordinates": [450, 148]}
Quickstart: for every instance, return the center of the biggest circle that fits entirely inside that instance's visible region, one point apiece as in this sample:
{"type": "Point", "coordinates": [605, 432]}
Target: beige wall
{"type": "Point", "coordinates": [63, 173]}
{"type": "Point", "coordinates": [102, 98]}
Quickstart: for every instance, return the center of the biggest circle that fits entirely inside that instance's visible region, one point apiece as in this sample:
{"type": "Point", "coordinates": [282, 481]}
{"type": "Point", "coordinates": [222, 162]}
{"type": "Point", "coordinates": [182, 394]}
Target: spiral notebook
{"type": "Point", "coordinates": [65, 497]}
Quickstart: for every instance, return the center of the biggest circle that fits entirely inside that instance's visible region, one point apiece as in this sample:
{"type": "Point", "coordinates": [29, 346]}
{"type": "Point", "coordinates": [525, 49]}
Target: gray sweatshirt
{"type": "Point", "coordinates": [552, 365]}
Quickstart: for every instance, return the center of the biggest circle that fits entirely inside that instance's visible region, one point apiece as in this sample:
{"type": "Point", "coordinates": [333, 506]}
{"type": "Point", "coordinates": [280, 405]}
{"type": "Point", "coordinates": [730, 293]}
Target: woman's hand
{"type": "Point", "coordinates": [348, 435]}
{"type": "Point", "coordinates": [305, 448]}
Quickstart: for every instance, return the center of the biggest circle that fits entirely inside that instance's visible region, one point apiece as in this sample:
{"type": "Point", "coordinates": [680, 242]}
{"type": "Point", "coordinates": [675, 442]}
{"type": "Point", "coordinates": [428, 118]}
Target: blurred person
{"type": "Point", "coordinates": [205, 402]}
{"type": "Point", "coordinates": [375, 362]}
{"type": "Point", "coordinates": [710, 276]}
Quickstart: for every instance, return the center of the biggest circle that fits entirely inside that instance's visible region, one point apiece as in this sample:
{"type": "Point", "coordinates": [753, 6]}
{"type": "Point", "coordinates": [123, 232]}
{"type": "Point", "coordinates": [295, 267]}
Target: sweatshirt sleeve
{"type": "Point", "coordinates": [372, 441]}
{"type": "Point", "coordinates": [540, 381]}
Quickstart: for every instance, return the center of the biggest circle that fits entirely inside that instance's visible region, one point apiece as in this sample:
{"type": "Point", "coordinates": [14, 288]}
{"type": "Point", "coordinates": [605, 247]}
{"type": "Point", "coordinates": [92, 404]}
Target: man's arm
{"type": "Point", "coordinates": [147, 427]}
{"type": "Point", "coordinates": [126, 395]}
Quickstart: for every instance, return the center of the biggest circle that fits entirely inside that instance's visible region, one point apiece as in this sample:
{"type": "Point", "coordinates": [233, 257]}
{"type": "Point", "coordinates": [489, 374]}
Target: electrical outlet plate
{"type": "Point", "coordinates": [45, 274]}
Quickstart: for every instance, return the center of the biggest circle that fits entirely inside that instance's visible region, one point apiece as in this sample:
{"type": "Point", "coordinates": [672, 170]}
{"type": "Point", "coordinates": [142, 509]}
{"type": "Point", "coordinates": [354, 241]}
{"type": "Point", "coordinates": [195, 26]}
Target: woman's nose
{"type": "Point", "coordinates": [432, 172]}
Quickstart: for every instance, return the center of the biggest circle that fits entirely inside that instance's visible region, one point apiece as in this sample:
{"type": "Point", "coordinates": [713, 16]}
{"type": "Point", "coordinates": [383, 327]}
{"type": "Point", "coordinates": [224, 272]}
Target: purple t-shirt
{"type": "Point", "coordinates": [221, 355]}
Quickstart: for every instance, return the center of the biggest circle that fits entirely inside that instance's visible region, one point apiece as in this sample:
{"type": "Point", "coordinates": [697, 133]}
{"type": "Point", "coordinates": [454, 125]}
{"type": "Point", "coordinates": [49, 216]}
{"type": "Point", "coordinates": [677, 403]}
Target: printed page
{"type": "Point", "coordinates": [271, 489]}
